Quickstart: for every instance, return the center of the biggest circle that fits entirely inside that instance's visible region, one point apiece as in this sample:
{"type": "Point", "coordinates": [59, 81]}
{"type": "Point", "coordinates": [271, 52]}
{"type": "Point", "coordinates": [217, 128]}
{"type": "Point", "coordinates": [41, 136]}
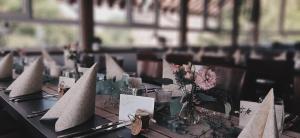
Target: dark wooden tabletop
{"type": "Point", "coordinates": [46, 128]}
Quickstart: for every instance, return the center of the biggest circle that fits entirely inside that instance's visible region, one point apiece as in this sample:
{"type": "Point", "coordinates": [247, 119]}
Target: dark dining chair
{"type": "Point", "coordinates": [149, 67]}
{"type": "Point", "coordinates": [262, 75]}
{"type": "Point", "coordinates": [230, 82]}
{"type": "Point", "coordinates": [179, 59]}
{"type": "Point", "coordinates": [222, 61]}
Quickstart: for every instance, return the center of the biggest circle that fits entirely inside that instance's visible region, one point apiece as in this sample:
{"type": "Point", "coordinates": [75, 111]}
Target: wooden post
{"type": "Point", "coordinates": [27, 7]}
{"type": "Point", "coordinates": [129, 10]}
{"type": "Point", "coordinates": [282, 16]}
{"type": "Point", "coordinates": [220, 15]}
{"type": "Point", "coordinates": [86, 25]}
{"type": "Point", "coordinates": [235, 23]}
{"type": "Point", "coordinates": [255, 19]}
{"type": "Point", "coordinates": [157, 12]}
{"type": "Point", "coordinates": [205, 14]}
{"type": "Point", "coordinates": [183, 23]}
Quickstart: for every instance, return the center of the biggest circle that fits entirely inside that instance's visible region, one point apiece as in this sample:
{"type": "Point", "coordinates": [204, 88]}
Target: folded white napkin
{"type": "Point", "coordinates": [281, 57]}
{"type": "Point", "coordinates": [255, 55]}
{"type": "Point", "coordinates": [55, 70]}
{"type": "Point", "coordinates": [30, 81]}
{"type": "Point", "coordinates": [68, 62]}
{"type": "Point", "coordinates": [6, 66]}
{"type": "Point", "coordinates": [168, 73]}
{"type": "Point", "coordinates": [77, 105]}
{"type": "Point", "coordinates": [263, 122]}
{"type": "Point", "coordinates": [237, 56]}
{"type": "Point", "coordinates": [49, 62]}
{"type": "Point", "coordinates": [46, 57]}
{"type": "Point", "coordinates": [112, 68]}
{"type": "Point", "coordinates": [198, 55]}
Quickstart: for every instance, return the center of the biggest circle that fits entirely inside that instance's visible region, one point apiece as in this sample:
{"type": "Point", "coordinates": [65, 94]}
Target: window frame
{"type": "Point", "coordinates": [26, 12]}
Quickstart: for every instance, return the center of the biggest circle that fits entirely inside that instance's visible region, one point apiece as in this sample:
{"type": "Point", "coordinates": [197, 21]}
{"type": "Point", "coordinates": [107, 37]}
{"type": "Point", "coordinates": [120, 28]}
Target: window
{"type": "Point", "coordinates": [208, 39]}
{"type": "Point", "coordinates": [292, 15]}
{"type": "Point", "coordinates": [19, 35]}
{"type": "Point", "coordinates": [143, 38]}
{"type": "Point", "coordinates": [10, 6]}
{"type": "Point", "coordinates": [55, 9]}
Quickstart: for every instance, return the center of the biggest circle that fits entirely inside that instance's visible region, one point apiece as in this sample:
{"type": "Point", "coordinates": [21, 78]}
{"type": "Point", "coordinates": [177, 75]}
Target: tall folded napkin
{"type": "Point", "coordinates": [281, 57]}
{"type": "Point", "coordinates": [112, 68]}
{"type": "Point", "coordinates": [47, 58]}
{"type": "Point", "coordinates": [255, 55]}
{"type": "Point", "coordinates": [54, 68]}
{"type": "Point", "coordinates": [6, 66]}
{"type": "Point", "coordinates": [77, 105]}
{"type": "Point", "coordinates": [30, 81]}
{"type": "Point", "coordinates": [168, 73]}
{"type": "Point", "coordinates": [237, 56]}
{"type": "Point", "coordinates": [263, 122]}
{"type": "Point", "coordinates": [198, 55]}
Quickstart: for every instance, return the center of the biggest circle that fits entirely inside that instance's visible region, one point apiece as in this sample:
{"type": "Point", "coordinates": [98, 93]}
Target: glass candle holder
{"type": "Point", "coordinates": [163, 96]}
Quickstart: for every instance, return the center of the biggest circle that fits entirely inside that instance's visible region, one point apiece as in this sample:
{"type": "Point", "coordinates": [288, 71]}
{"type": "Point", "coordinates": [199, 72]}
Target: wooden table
{"type": "Point", "coordinates": [46, 129]}
{"type": "Point", "coordinates": [103, 114]}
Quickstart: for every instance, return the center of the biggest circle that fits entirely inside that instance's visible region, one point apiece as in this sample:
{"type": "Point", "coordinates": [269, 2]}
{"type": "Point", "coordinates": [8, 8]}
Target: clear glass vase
{"type": "Point", "coordinates": [188, 112]}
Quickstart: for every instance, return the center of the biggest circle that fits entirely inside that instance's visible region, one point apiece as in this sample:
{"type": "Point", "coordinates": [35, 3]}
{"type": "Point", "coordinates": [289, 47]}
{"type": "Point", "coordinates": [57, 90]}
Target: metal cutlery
{"type": "Point", "coordinates": [28, 98]}
{"type": "Point", "coordinates": [37, 113]}
{"type": "Point", "coordinates": [104, 130]}
{"type": "Point", "coordinates": [86, 132]}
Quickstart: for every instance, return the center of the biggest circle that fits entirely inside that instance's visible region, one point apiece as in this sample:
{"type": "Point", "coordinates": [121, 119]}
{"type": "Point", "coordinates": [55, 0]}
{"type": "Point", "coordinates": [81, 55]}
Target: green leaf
{"type": "Point", "coordinates": [205, 98]}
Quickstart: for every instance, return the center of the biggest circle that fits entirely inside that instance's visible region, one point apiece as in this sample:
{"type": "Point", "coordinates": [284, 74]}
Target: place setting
{"type": "Point", "coordinates": [77, 107]}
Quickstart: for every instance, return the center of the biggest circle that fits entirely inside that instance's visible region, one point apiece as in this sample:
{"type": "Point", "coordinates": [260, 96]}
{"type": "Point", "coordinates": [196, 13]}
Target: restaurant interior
{"type": "Point", "coordinates": [150, 68]}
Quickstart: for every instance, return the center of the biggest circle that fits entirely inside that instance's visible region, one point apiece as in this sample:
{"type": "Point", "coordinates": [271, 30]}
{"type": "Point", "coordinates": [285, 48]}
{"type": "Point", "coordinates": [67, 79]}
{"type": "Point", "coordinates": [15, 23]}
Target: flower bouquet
{"type": "Point", "coordinates": [195, 85]}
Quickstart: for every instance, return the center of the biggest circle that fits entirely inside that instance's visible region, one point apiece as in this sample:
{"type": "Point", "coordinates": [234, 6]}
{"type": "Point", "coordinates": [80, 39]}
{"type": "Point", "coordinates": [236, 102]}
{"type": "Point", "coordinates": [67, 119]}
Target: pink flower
{"type": "Point", "coordinates": [206, 79]}
{"type": "Point", "coordinates": [174, 68]}
{"type": "Point", "coordinates": [188, 75]}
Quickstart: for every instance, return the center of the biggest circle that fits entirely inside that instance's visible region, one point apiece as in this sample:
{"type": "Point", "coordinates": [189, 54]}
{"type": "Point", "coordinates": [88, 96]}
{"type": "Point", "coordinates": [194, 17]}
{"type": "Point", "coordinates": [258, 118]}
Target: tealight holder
{"type": "Point", "coordinates": [140, 123]}
{"type": "Point", "coordinates": [163, 96]}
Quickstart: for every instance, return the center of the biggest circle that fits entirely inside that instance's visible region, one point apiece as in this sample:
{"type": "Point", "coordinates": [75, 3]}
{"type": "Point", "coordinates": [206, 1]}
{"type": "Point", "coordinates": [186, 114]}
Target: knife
{"type": "Point", "coordinates": [31, 98]}
{"type": "Point", "coordinates": [37, 113]}
{"type": "Point", "coordinates": [111, 128]}
{"type": "Point", "coordinates": [90, 130]}
{"type": "Point", "coordinates": [41, 111]}
{"type": "Point", "coordinates": [23, 96]}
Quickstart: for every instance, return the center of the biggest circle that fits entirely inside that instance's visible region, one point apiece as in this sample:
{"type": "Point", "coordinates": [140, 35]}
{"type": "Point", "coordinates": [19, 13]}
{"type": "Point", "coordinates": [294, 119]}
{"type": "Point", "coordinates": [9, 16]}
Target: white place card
{"type": "Point", "coordinates": [129, 104]}
{"type": "Point", "coordinates": [82, 69]}
{"type": "Point", "coordinates": [68, 82]}
{"type": "Point", "coordinates": [248, 110]}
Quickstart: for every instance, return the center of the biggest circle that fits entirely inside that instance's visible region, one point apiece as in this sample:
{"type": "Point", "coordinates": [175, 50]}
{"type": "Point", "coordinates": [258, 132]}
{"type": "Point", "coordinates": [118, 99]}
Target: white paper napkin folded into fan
{"type": "Point", "coordinates": [112, 68]}
{"type": "Point", "coordinates": [30, 81]}
{"type": "Point", "coordinates": [77, 105]}
{"type": "Point", "coordinates": [168, 73]}
{"type": "Point", "coordinates": [54, 68]}
{"type": "Point", "coordinates": [263, 122]}
{"type": "Point", "coordinates": [6, 66]}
